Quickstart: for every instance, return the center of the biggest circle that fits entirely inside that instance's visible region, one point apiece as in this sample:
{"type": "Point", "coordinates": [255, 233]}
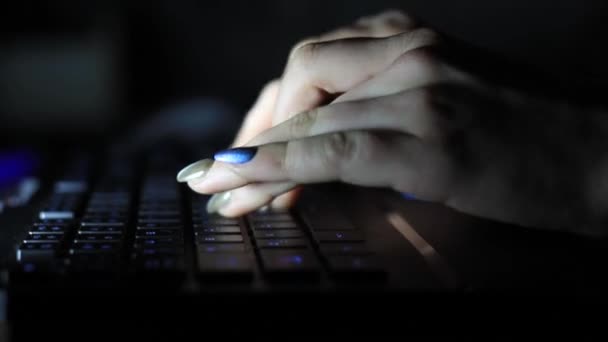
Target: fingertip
{"type": "Point", "coordinates": [286, 200]}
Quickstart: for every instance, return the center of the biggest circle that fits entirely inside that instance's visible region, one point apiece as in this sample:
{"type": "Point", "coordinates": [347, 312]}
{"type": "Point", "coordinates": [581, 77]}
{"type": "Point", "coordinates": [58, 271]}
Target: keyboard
{"type": "Point", "coordinates": [129, 223]}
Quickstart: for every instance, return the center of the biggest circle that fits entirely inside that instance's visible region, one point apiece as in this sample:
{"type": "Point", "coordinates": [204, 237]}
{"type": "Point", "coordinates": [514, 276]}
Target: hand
{"type": "Point", "coordinates": [406, 115]}
{"type": "Point", "coordinates": [280, 100]}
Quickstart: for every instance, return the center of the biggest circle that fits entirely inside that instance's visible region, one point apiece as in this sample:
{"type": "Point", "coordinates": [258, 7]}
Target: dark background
{"type": "Point", "coordinates": [90, 68]}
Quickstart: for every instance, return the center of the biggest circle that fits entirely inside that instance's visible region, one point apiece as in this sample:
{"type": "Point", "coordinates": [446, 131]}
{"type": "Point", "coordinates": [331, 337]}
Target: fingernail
{"type": "Point", "coordinates": [217, 201]}
{"type": "Point", "coordinates": [194, 170]}
{"type": "Point", "coordinates": [239, 155]}
{"type": "Point", "coordinates": [408, 196]}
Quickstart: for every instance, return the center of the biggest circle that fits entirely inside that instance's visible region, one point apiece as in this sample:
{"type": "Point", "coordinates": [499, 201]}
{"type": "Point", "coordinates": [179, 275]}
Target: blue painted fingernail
{"type": "Point", "coordinates": [239, 155]}
{"type": "Point", "coordinates": [408, 196]}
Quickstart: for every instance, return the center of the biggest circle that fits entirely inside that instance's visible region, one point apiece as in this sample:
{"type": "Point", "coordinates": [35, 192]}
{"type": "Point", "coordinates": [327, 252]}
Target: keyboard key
{"type": "Point", "coordinates": [203, 229]}
{"type": "Point", "coordinates": [97, 238]}
{"type": "Point", "coordinates": [225, 265]}
{"type": "Point", "coordinates": [220, 238]}
{"type": "Point", "coordinates": [273, 225]}
{"type": "Point", "coordinates": [338, 236]}
{"type": "Point", "coordinates": [330, 249]}
{"type": "Point", "coordinates": [159, 226]}
{"type": "Point", "coordinates": [176, 239]}
{"type": "Point", "coordinates": [282, 243]}
{"type": "Point", "coordinates": [48, 229]}
{"type": "Point", "coordinates": [43, 238]}
{"type": "Point", "coordinates": [274, 234]}
{"type": "Point", "coordinates": [36, 251]}
{"type": "Point", "coordinates": [57, 214]}
{"type": "Point", "coordinates": [106, 210]}
{"type": "Point", "coordinates": [93, 218]}
{"type": "Point", "coordinates": [216, 221]}
{"type": "Point", "coordinates": [52, 222]}
{"type": "Point", "coordinates": [143, 242]}
{"type": "Point", "coordinates": [158, 250]}
{"type": "Point", "coordinates": [157, 263]}
{"type": "Point", "coordinates": [159, 213]}
{"type": "Point", "coordinates": [221, 248]}
{"type": "Point", "coordinates": [158, 232]}
{"type": "Point", "coordinates": [271, 218]}
{"type": "Point", "coordinates": [278, 262]}
{"type": "Point", "coordinates": [153, 207]}
{"type": "Point", "coordinates": [318, 218]}
{"type": "Point", "coordinates": [100, 230]}
{"type": "Point", "coordinates": [159, 221]}
{"type": "Point", "coordinates": [352, 266]}
{"type": "Point", "coordinates": [103, 222]}
{"type": "Point", "coordinates": [93, 247]}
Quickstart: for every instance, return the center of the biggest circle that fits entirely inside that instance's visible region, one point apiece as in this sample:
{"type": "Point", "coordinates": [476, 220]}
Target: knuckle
{"type": "Point", "coordinates": [342, 149]}
{"type": "Point", "coordinates": [417, 38]}
{"type": "Point", "coordinates": [423, 60]}
{"type": "Point", "coordinates": [303, 53]}
{"type": "Point", "coordinates": [302, 123]}
{"type": "Point", "coordinates": [425, 36]}
{"type": "Point", "coordinates": [442, 117]}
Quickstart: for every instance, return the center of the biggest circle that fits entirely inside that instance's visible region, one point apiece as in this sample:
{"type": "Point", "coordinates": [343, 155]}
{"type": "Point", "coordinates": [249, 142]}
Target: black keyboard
{"type": "Point", "coordinates": [130, 222]}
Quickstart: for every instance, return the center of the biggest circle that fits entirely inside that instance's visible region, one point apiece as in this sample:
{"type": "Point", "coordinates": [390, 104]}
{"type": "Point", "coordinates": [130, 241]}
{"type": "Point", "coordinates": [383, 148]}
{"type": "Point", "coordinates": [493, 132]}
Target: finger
{"type": "Point", "coordinates": [318, 71]}
{"type": "Point", "coordinates": [414, 69]}
{"type": "Point", "coordinates": [411, 111]}
{"type": "Point", "coordinates": [286, 200]}
{"type": "Point", "coordinates": [390, 18]}
{"type": "Point", "coordinates": [384, 24]}
{"type": "Point", "coordinates": [357, 157]}
{"type": "Point", "coordinates": [259, 117]}
{"type": "Point", "coordinates": [248, 198]}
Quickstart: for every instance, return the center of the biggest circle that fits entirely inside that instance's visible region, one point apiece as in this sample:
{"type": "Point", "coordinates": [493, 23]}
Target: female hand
{"type": "Point", "coordinates": [405, 114]}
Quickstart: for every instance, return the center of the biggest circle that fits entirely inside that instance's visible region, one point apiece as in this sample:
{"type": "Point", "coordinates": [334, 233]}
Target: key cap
{"type": "Point", "coordinates": [100, 230]}
{"type": "Point", "coordinates": [143, 242]}
{"type": "Point", "coordinates": [50, 214]}
{"type": "Point", "coordinates": [279, 263]}
{"type": "Point", "coordinates": [216, 221]}
{"type": "Point", "coordinates": [92, 247]}
{"type": "Point", "coordinates": [273, 225]}
{"type": "Point", "coordinates": [97, 238]}
{"type": "Point", "coordinates": [159, 213]}
{"type": "Point", "coordinates": [318, 219]}
{"type": "Point", "coordinates": [48, 229]}
{"type": "Point", "coordinates": [52, 222]}
{"type": "Point", "coordinates": [225, 265]}
{"type": "Point", "coordinates": [220, 238]}
{"type": "Point", "coordinates": [330, 249]}
{"type": "Point", "coordinates": [338, 236]}
{"type": "Point", "coordinates": [42, 238]}
{"type": "Point", "coordinates": [103, 222]}
{"type": "Point", "coordinates": [282, 243]}
{"type": "Point", "coordinates": [203, 229]}
{"type": "Point", "coordinates": [271, 218]}
{"type": "Point", "coordinates": [158, 232]}
{"type": "Point", "coordinates": [273, 234]}
{"type": "Point", "coordinates": [355, 266]}
{"type": "Point", "coordinates": [157, 263]}
{"type": "Point", "coordinates": [159, 226]}
{"type": "Point", "coordinates": [70, 186]}
{"type": "Point", "coordinates": [102, 216]}
{"type": "Point", "coordinates": [36, 251]}
{"type": "Point", "coordinates": [158, 250]}
{"type": "Point", "coordinates": [157, 221]}
{"type": "Point", "coordinates": [221, 248]}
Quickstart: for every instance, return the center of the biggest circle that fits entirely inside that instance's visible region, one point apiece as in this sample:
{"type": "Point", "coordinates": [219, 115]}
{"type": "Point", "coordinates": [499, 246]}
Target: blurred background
{"type": "Point", "coordinates": [87, 71]}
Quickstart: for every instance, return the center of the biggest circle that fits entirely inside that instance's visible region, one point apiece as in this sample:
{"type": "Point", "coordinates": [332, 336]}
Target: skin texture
{"type": "Point", "coordinates": [389, 103]}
